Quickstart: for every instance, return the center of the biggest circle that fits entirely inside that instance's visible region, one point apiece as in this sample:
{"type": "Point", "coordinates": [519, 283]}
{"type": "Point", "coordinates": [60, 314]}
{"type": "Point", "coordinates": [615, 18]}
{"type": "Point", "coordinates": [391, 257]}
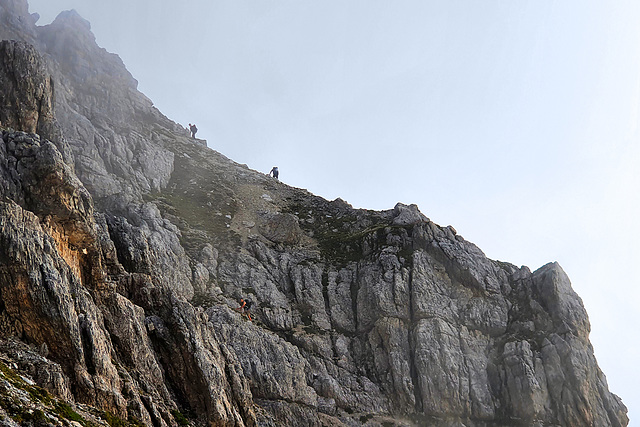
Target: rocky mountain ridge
{"type": "Point", "coordinates": [125, 245]}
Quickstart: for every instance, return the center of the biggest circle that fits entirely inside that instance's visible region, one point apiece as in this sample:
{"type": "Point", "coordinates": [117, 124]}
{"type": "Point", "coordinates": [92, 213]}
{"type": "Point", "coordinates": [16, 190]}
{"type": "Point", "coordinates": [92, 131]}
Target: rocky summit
{"type": "Point", "coordinates": [126, 245]}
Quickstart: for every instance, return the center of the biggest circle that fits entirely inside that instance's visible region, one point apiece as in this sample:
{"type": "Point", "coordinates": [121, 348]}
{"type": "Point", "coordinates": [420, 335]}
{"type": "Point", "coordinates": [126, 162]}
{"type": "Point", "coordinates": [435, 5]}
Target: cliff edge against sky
{"type": "Point", "coordinates": [125, 246]}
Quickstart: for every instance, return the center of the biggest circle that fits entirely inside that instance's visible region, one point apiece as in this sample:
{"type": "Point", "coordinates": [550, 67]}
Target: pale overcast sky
{"type": "Point", "coordinates": [515, 121]}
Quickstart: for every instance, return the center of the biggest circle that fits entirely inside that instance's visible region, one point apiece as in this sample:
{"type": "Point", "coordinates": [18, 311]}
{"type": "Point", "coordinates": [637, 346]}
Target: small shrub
{"type": "Point", "coordinates": [113, 420]}
{"type": "Point", "coordinates": [180, 419]}
{"type": "Point", "coordinates": [65, 411]}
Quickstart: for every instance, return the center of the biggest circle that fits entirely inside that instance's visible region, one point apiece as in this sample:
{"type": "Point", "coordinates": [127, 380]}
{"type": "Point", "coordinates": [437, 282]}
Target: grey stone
{"type": "Point", "coordinates": [123, 264]}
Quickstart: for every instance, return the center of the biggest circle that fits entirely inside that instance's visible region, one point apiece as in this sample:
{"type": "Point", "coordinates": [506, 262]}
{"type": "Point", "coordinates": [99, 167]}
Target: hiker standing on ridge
{"type": "Point", "coordinates": [193, 129]}
{"type": "Point", "coordinates": [245, 305]}
{"type": "Point", "coordinates": [274, 172]}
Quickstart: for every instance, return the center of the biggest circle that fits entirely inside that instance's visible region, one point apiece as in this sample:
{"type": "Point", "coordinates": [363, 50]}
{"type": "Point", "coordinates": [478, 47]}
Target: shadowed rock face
{"type": "Point", "coordinates": [125, 245]}
{"type": "Point", "coordinates": [27, 91]}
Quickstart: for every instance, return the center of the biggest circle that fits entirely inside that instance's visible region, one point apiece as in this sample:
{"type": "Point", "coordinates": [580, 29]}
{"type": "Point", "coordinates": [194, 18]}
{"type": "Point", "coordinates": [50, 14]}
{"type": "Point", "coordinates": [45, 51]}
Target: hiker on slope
{"type": "Point", "coordinates": [274, 172]}
{"type": "Point", "coordinates": [193, 129]}
{"type": "Point", "coordinates": [245, 306]}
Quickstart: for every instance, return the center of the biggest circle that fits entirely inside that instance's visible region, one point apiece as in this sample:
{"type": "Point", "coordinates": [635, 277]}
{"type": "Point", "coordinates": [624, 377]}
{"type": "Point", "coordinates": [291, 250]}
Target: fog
{"type": "Point", "coordinates": [515, 122]}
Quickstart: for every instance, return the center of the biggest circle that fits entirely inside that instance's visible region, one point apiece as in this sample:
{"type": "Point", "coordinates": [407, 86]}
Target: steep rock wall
{"type": "Point", "coordinates": [124, 257]}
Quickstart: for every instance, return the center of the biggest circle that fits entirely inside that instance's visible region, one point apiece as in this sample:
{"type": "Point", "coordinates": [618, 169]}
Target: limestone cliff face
{"type": "Point", "coordinates": [27, 92]}
{"type": "Point", "coordinates": [125, 245]}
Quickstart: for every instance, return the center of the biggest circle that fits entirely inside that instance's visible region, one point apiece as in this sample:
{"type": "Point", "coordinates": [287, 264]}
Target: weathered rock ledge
{"type": "Point", "coordinates": [124, 247]}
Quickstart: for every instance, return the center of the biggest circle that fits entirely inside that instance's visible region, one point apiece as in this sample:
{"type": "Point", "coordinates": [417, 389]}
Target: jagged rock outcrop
{"type": "Point", "coordinates": [16, 22]}
{"type": "Point", "coordinates": [27, 92]}
{"type": "Point", "coordinates": [124, 247]}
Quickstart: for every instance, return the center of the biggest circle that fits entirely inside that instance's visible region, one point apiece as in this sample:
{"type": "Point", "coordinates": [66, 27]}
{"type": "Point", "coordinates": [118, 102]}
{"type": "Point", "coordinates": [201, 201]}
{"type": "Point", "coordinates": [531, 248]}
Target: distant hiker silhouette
{"type": "Point", "coordinates": [245, 305]}
{"type": "Point", "coordinates": [193, 129]}
{"type": "Point", "coordinates": [274, 172]}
